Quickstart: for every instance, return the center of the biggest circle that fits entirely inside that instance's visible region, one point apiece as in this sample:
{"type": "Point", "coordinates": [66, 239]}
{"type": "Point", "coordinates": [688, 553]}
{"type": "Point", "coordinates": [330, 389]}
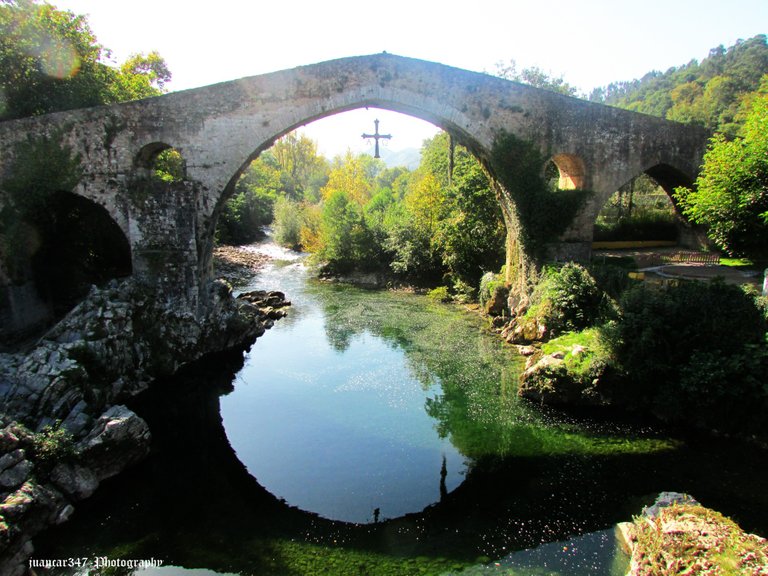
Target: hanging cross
{"type": "Point", "coordinates": [376, 136]}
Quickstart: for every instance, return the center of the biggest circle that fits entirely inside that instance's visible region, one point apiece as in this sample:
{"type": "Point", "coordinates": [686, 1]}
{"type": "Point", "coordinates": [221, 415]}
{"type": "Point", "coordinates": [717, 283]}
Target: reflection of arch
{"type": "Point", "coordinates": [203, 509]}
{"type": "Point", "coordinates": [572, 173]}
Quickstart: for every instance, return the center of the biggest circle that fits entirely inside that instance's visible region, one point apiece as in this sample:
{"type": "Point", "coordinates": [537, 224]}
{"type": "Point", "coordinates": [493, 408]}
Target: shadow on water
{"type": "Point", "coordinates": [534, 481]}
{"type": "Point", "coordinates": [194, 504]}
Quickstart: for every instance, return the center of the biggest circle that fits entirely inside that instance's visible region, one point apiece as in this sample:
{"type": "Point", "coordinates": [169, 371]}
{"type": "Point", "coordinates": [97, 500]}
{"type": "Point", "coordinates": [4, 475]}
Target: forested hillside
{"type": "Point", "coordinates": [714, 93]}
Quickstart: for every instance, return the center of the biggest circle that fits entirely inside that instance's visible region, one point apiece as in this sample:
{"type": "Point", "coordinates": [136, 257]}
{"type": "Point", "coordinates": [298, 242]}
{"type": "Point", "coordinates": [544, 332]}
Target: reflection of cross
{"type": "Point", "coordinates": [377, 137]}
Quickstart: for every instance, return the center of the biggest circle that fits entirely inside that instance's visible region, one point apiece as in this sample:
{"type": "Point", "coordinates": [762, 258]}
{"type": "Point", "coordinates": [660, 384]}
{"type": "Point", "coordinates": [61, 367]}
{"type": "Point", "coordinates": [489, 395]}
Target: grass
{"type": "Point", "coordinates": [580, 350]}
{"type": "Point", "coordinates": [737, 262]}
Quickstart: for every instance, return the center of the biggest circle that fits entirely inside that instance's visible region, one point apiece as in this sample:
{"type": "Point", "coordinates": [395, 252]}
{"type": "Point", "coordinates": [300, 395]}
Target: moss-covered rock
{"type": "Point", "coordinates": [684, 537]}
{"type": "Point", "coordinates": [568, 371]}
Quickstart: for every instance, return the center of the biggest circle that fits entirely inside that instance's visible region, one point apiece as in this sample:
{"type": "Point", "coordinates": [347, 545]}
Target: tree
{"type": "Point", "coordinates": [252, 205]}
{"type": "Point", "coordinates": [535, 77]}
{"type": "Point", "coordinates": [151, 66]}
{"type": "Point", "coordinates": [347, 242]}
{"type": "Point", "coordinates": [710, 93]}
{"type": "Point", "coordinates": [50, 60]}
{"type": "Point", "coordinates": [303, 170]}
{"type": "Point", "coordinates": [354, 176]}
{"type": "Point", "coordinates": [731, 195]}
{"type": "Point", "coordinates": [469, 231]}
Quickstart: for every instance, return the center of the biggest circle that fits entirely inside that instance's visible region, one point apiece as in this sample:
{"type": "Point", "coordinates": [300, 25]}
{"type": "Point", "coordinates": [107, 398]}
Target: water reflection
{"type": "Point", "coordinates": [534, 477]}
{"type": "Point", "coordinates": [194, 504]}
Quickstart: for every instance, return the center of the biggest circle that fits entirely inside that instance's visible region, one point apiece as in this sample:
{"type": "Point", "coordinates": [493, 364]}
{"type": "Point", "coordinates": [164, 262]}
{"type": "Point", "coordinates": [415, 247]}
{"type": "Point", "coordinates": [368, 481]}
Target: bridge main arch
{"type": "Point", "coordinates": [218, 129]}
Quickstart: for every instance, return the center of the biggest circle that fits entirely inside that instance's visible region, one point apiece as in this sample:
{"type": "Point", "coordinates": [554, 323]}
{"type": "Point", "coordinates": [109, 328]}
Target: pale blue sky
{"type": "Point", "coordinates": [589, 42]}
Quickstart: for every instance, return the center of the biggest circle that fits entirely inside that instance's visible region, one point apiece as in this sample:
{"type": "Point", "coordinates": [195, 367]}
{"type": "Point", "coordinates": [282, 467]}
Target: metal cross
{"type": "Point", "coordinates": [376, 136]}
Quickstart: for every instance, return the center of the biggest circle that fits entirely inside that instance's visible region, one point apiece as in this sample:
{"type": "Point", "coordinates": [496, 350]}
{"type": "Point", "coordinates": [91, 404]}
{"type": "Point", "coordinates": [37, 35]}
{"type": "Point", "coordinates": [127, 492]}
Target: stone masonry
{"type": "Point", "coordinates": [218, 129]}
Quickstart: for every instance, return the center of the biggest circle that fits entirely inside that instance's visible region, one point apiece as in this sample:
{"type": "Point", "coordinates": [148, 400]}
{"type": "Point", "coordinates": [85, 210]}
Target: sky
{"type": "Point", "coordinates": [589, 43]}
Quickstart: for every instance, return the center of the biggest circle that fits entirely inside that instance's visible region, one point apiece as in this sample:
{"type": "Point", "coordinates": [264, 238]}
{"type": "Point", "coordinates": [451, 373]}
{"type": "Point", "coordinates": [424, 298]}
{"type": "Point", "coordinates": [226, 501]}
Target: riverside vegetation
{"type": "Point", "coordinates": [689, 354]}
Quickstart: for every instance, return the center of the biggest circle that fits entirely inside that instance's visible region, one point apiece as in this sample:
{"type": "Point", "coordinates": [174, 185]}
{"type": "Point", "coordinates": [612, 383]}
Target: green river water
{"type": "Point", "coordinates": [373, 432]}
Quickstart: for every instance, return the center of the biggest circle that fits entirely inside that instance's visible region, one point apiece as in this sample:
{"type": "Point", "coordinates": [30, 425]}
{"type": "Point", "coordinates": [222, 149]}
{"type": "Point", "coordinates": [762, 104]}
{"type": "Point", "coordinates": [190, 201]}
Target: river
{"type": "Point", "coordinates": [375, 432]}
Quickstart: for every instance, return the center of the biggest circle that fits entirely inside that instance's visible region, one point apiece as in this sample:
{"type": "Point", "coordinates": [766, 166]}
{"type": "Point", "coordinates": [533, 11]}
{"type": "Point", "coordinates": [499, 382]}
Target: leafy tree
{"type": "Point", "coordinates": [302, 170]}
{"type": "Point", "coordinates": [287, 223]}
{"type": "Point", "coordinates": [731, 195]}
{"type": "Point", "coordinates": [50, 60]}
{"type": "Point", "coordinates": [535, 77]}
{"type": "Point", "coordinates": [252, 205]}
{"type": "Point", "coordinates": [151, 66]}
{"type": "Point", "coordinates": [354, 176]}
{"type": "Point", "coordinates": [472, 235]}
{"type": "Point", "coordinates": [347, 242]}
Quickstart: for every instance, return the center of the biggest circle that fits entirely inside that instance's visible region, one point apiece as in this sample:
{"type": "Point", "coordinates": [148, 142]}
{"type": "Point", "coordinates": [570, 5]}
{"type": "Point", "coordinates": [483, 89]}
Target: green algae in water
{"type": "Point", "coordinates": [534, 477]}
{"type": "Point", "coordinates": [477, 406]}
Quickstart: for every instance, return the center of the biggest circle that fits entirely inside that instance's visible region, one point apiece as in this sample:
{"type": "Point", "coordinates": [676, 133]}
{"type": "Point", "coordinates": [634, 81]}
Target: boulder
{"type": "Point", "coordinates": [496, 304]}
{"type": "Point", "coordinates": [118, 439]}
{"type": "Point", "coordinates": [76, 481]}
{"type": "Point", "coordinates": [548, 380]}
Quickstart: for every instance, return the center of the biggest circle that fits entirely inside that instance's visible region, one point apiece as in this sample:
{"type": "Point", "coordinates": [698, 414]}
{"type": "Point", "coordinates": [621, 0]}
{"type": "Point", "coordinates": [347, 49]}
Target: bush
{"type": "Point", "coordinates": [52, 444]}
{"type": "Point", "coordinates": [647, 226]}
{"type": "Point", "coordinates": [439, 294]}
{"type": "Point", "coordinates": [287, 223]}
{"type": "Point", "coordinates": [566, 300]}
{"type": "Point", "coordinates": [488, 284]}
{"type": "Point", "coordinates": [694, 352]}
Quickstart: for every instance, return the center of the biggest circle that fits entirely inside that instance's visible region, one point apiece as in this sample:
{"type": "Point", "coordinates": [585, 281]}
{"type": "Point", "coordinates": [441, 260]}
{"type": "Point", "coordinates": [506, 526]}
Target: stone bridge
{"type": "Point", "coordinates": [219, 129]}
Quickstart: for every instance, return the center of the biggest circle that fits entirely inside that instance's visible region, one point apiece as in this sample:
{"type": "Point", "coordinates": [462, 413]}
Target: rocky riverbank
{"type": "Point", "coordinates": [64, 426]}
{"type": "Point", "coordinates": [237, 264]}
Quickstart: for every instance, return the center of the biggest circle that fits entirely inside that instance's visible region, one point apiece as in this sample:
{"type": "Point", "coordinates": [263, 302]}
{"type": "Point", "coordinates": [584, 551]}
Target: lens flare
{"type": "Point", "coordinates": [59, 59]}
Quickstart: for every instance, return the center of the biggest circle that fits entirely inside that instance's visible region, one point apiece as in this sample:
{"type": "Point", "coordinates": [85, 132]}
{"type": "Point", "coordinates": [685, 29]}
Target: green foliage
{"type": "Point", "coordinates": [51, 445]}
{"type": "Point", "coordinates": [347, 242]}
{"type": "Point", "coordinates": [544, 213]}
{"type": "Point", "coordinates": [535, 77]}
{"type": "Point", "coordinates": [252, 205]}
{"type": "Point", "coordinates": [440, 294]}
{"type": "Point", "coordinates": [712, 93]}
{"type": "Point", "coordinates": [287, 223]}
{"type": "Point", "coordinates": [567, 299]}
{"type": "Point", "coordinates": [169, 166]}
{"type": "Point", "coordinates": [151, 66]}
{"type": "Point", "coordinates": [50, 60]}
{"type": "Point", "coordinates": [41, 168]}
{"type": "Point", "coordinates": [303, 172]}
{"type": "Point", "coordinates": [694, 352]}
{"type": "Point", "coordinates": [731, 195]}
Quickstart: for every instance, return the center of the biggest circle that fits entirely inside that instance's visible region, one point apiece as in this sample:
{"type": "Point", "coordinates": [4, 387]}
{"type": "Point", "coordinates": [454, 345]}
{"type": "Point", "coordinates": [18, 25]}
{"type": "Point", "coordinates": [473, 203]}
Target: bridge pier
{"type": "Point", "coordinates": [162, 227]}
